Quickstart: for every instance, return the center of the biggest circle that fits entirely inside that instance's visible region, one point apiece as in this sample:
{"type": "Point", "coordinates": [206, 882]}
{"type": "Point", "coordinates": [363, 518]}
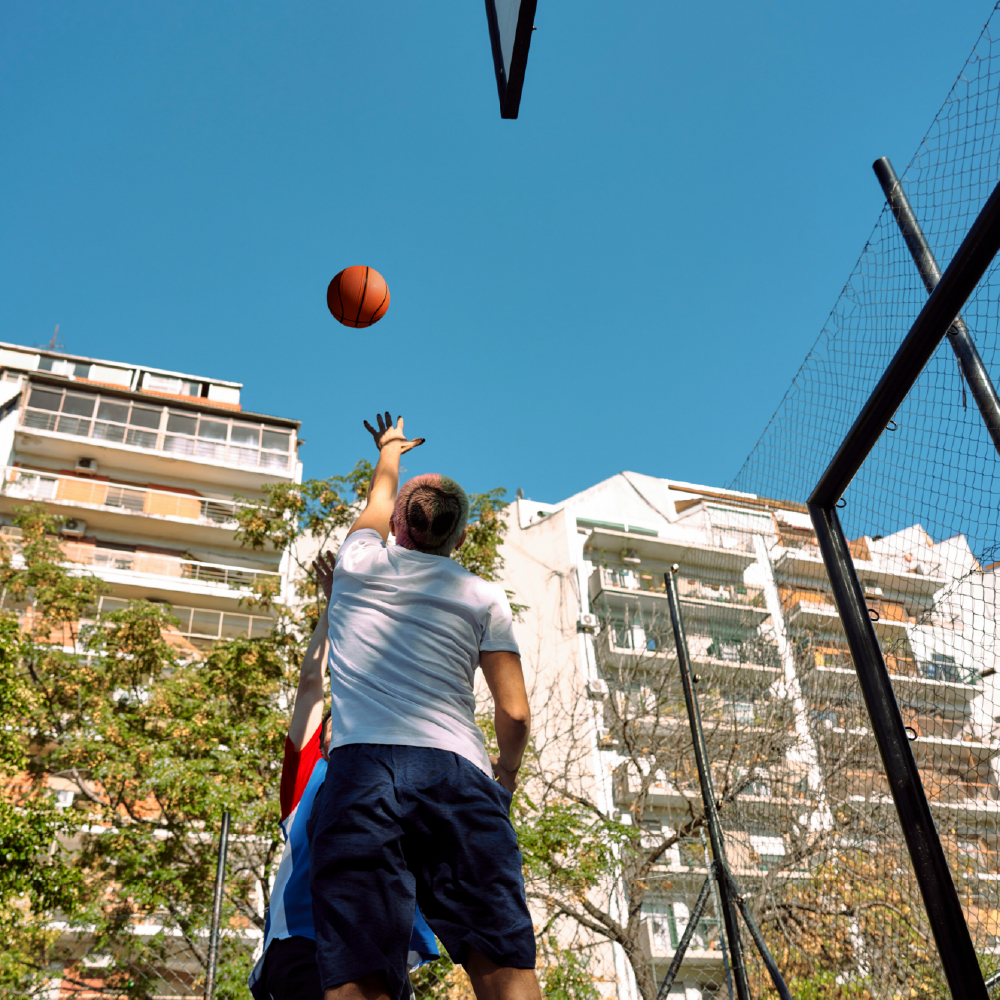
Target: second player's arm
{"type": "Point", "coordinates": [512, 718]}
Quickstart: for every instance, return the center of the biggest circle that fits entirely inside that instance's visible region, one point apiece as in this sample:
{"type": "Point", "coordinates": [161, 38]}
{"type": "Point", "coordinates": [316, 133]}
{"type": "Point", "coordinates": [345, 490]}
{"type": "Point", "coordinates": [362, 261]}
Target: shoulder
{"type": "Point", "coordinates": [358, 545]}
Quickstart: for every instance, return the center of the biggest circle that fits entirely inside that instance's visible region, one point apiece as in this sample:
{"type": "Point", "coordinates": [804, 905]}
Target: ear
{"type": "Point", "coordinates": [461, 541]}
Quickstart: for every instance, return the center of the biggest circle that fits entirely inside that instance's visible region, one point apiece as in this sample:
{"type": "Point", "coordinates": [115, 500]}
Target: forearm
{"type": "Point", "coordinates": [308, 710]}
{"type": "Point", "coordinates": [385, 478]}
{"type": "Point", "coordinates": [512, 737]}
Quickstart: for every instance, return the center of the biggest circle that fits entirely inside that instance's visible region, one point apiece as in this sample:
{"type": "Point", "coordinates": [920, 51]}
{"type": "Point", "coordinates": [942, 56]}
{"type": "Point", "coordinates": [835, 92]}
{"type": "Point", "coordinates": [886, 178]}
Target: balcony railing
{"type": "Point", "coordinates": [99, 495]}
{"type": "Point", "coordinates": [206, 625]}
{"type": "Point", "coordinates": [651, 582]}
{"type": "Point", "coordinates": [153, 563]}
{"type": "Point", "coordinates": [158, 428]}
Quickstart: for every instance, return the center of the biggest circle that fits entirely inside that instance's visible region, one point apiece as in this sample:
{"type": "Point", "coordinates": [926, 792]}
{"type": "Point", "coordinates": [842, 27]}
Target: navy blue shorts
{"type": "Point", "coordinates": [394, 825]}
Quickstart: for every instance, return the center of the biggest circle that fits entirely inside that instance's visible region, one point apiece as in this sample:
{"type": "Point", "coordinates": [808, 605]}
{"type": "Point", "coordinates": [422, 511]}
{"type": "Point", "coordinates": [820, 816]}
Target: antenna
{"type": "Point", "coordinates": [52, 342]}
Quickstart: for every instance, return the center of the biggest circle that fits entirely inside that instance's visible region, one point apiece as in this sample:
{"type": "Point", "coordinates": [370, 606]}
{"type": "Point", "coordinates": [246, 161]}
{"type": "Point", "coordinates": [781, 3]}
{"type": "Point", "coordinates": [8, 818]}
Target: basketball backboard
{"type": "Point", "coordinates": [511, 23]}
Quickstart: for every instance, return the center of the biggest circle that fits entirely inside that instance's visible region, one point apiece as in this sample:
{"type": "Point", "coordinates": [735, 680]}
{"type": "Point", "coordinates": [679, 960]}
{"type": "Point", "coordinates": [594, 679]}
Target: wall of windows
{"type": "Point", "coordinates": [159, 428]}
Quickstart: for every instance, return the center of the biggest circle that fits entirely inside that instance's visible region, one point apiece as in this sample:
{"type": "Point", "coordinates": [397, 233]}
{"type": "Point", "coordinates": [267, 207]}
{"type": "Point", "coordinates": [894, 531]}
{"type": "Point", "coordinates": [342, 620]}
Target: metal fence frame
{"type": "Point", "coordinates": [939, 317]}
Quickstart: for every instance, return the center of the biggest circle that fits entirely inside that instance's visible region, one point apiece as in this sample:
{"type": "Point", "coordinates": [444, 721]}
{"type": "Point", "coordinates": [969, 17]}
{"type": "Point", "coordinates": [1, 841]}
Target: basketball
{"type": "Point", "coordinates": [358, 296]}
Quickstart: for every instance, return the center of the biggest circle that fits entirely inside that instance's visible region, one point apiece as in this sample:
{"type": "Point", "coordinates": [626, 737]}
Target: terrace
{"type": "Point", "coordinates": [119, 422]}
{"type": "Point", "coordinates": [122, 498]}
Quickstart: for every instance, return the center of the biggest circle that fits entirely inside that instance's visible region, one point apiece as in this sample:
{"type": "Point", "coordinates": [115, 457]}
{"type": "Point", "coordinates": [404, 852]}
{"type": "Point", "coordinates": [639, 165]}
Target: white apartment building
{"type": "Point", "coordinates": [766, 639]}
{"type": "Point", "coordinates": [144, 464]}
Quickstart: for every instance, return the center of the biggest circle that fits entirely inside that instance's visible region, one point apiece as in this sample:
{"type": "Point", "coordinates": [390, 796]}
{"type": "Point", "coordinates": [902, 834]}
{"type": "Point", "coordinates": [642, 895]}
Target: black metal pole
{"type": "Point", "coordinates": [944, 911]}
{"type": "Point", "coordinates": [947, 300]}
{"type": "Point", "coordinates": [220, 879]}
{"type": "Point", "coordinates": [682, 947]}
{"type": "Point", "coordinates": [980, 384]}
{"type": "Point", "coordinates": [714, 871]}
{"type": "Point", "coordinates": [758, 939]}
{"type": "Point", "coordinates": [707, 791]}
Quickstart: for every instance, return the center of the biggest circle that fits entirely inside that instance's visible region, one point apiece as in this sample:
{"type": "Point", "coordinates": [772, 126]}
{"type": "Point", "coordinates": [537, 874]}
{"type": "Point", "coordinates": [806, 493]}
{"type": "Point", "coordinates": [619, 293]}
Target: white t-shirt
{"type": "Point", "coordinates": [406, 629]}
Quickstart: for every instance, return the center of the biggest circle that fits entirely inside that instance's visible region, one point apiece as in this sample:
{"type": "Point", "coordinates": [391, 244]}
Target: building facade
{"type": "Point", "coordinates": [144, 466]}
{"type": "Point", "coordinates": [810, 826]}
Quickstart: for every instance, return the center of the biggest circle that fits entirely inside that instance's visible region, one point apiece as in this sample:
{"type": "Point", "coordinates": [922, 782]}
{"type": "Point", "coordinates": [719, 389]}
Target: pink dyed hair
{"type": "Point", "coordinates": [430, 514]}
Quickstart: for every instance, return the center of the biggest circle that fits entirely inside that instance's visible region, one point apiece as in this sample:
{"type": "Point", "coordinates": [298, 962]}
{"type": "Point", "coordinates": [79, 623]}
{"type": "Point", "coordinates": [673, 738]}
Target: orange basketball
{"type": "Point", "coordinates": [358, 296]}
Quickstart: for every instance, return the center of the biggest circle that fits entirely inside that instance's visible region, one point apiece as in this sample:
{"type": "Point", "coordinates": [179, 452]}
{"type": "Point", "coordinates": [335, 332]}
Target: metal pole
{"type": "Point", "coordinates": [213, 939]}
{"type": "Point", "coordinates": [947, 300]}
{"type": "Point", "coordinates": [714, 871]}
{"type": "Point", "coordinates": [944, 911]}
{"type": "Point", "coordinates": [758, 938]}
{"type": "Point", "coordinates": [707, 792]}
{"type": "Point", "coordinates": [682, 947]}
{"type": "Point", "coordinates": [980, 384]}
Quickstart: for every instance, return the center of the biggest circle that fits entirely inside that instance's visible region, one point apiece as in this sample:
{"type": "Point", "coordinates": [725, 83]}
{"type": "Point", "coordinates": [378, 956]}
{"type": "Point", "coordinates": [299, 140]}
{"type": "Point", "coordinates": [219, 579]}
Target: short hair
{"type": "Point", "coordinates": [430, 515]}
{"type": "Point", "coordinates": [322, 726]}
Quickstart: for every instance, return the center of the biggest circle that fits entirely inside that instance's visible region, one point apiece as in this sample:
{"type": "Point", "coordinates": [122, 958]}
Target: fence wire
{"type": "Point", "coordinates": [922, 515]}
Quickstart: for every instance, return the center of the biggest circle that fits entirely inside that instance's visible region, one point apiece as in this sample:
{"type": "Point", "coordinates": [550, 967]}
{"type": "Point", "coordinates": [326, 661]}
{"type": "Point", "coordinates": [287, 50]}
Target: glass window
{"type": "Point", "coordinates": [44, 399]}
{"type": "Point", "coordinates": [81, 371]}
{"type": "Point", "coordinates": [45, 364]}
{"type": "Point", "coordinates": [118, 412]}
{"type": "Point", "coordinates": [109, 432]}
{"type": "Point", "coordinates": [181, 423]}
{"type": "Point", "coordinates": [78, 404]}
{"type": "Point", "coordinates": [245, 434]}
{"type": "Point", "coordinates": [276, 440]}
{"type": "Point", "coordinates": [141, 416]}
{"type": "Point", "coordinates": [212, 430]}
{"type": "Point", "coordinates": [190, 388]}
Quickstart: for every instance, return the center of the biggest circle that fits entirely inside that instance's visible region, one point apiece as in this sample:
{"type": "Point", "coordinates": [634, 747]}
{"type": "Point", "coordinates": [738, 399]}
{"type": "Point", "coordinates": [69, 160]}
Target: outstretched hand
{"type": "Point", "coordinates": [387, 434]}
{"type": "Point", "coordinates": [322, 568]}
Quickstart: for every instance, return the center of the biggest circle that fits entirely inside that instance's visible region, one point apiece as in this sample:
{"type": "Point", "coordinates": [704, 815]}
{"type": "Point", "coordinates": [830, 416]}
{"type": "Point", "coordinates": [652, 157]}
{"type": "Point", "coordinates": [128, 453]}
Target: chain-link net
{"type": "Point", "coordinates": [922, 516]}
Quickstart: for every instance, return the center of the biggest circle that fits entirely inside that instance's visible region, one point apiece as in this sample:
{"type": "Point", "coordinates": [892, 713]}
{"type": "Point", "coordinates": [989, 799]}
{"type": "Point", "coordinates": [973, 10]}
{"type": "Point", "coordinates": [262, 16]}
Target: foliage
{"type": "Point", "coordinates": [157, 742]}
{"type": "Point", "coordinates": [565, 974]}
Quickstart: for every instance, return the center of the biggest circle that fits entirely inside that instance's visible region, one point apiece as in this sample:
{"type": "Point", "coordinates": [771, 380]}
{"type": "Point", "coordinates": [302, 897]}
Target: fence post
{"type": "Point", "coordinates": [707, 791]}
{"type": "Point", "coordinates": [220, 880]}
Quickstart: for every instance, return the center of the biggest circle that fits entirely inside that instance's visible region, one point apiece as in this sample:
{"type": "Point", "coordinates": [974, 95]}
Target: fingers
{"type": "Point", "coordinates": [371, 430]}
{"type": "Point", "coordinates": [388, 420]}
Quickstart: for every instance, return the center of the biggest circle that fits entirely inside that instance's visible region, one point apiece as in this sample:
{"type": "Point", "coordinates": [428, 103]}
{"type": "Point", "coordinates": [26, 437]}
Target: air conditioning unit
{"type": "Point", "coordinates": [597, 690]}
{"type": "Point", "coordinates": [73, 527]}
{"type": "Point", "coordinates": [586, 623]}
{"type": "Point", "coordinates": [86, 465]}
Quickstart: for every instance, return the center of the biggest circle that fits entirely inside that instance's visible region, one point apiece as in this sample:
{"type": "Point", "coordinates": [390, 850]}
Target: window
{"type": "Point", "coordinates": [239, 442]}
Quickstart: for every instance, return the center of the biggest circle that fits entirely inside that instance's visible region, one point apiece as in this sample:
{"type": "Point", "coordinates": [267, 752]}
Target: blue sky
{"type": "Point", "coordinates": [626, 277]}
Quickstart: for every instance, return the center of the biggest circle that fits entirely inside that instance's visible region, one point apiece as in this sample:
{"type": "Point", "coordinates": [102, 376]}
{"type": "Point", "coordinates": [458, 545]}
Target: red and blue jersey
{"type": "Point", "coordinates": [290, 911]}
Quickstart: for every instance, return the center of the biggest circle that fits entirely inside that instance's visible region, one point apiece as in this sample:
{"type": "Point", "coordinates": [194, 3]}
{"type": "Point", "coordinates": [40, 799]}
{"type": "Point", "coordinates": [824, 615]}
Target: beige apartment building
{"type": "Point", "coordinates": [144, 465]}
{"type": "Point", "coordinates": [775, 674]}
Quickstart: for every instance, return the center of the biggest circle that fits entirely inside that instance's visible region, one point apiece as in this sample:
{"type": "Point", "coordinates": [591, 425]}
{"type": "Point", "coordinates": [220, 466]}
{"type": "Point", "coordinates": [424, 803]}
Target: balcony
{"type": "Point", "coordinates": [816, 614]}
{"type": "Point", "coordinates": [734, 603]}
{"type": "Point", "coordinates": [625, 648]}
{"type": "Point", "coordinates": [135, 567]}
{"type": "Point", "coordinates": [692, 547]}
{"type": "Point", "coordinates": [806, 563]}
{"type": "Point", "coordinates": [202, 626]}
{"type": "Point", "coordinates": [116, 424]}
{"type": "Point", "coordinates": [99, 495]}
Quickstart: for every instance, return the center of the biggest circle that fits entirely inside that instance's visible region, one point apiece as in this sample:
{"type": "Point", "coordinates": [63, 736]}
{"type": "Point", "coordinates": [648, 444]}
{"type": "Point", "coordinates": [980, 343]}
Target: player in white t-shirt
{"type": "Point", "coordinates": [413, 809]}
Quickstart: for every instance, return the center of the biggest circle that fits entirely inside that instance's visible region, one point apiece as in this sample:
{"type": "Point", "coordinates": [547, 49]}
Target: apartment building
{"type": "Point", "coordinates": [144, 466]}
{"type": "Point", "coordinates": [776, 683]}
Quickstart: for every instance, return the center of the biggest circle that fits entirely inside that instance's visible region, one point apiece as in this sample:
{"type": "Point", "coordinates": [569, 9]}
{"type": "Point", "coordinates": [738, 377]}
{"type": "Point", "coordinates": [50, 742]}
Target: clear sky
{"type": "Point", "coordinates": [626, 277]}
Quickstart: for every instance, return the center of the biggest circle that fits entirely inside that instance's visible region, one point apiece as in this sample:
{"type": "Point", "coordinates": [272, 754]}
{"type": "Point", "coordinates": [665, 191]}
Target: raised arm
{"type": "Point", "coordinates": [308, 711]}
{"type": "Point", "coordinates": [391, 443]}
{"type": "Point", "coordinates": [512, 718]}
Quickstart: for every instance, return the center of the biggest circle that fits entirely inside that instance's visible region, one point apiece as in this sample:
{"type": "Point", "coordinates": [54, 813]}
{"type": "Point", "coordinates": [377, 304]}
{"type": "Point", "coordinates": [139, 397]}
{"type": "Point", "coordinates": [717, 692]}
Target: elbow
{"type": "Point", "coordinates": [519, 715]}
